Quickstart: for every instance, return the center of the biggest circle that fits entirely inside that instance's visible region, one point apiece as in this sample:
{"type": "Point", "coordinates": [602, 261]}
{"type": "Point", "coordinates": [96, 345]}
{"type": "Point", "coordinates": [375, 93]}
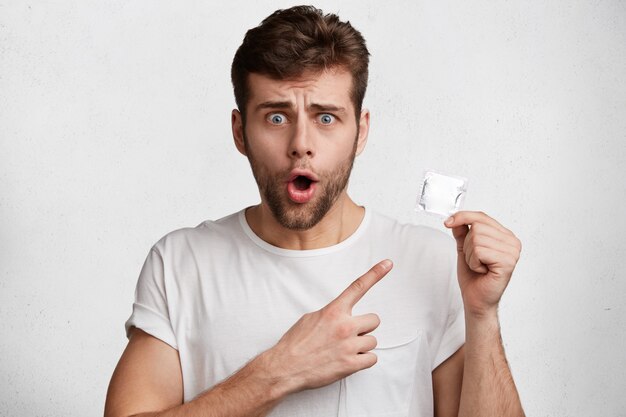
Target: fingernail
{"type": "Point", "coordinates": [449, 220]}
{"type": "Point", "coordinates": [386, 264]}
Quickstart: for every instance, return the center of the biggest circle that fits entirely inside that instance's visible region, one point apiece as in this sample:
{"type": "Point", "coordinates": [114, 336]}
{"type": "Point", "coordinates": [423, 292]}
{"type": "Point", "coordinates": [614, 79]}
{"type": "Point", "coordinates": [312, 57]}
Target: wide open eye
{"type": "Point", "coordinates": [276, 118]}
{"type": "Point", "coordinates": [326, 118]}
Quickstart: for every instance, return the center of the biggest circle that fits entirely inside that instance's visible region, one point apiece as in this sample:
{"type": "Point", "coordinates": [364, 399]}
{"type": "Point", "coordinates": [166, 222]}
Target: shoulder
{"type": "Point", "coordinates": [209, 232]}
{"type": "Point", "coordinates": [413, 236]}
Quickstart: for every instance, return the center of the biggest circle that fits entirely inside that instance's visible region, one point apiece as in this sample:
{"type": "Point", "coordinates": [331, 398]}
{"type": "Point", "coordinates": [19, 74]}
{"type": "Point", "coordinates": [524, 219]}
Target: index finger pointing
{"type": "Point", "coordinates": [351, 295]}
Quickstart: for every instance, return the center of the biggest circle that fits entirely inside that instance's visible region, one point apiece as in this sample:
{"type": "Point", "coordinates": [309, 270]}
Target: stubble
{"type": "Point", "coordinates": [301, 216]}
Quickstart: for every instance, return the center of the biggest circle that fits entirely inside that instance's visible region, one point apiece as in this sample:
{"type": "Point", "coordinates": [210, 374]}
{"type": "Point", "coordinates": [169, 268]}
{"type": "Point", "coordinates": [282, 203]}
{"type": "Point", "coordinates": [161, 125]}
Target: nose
{"type": "Point", "coordinates": [301, 144]}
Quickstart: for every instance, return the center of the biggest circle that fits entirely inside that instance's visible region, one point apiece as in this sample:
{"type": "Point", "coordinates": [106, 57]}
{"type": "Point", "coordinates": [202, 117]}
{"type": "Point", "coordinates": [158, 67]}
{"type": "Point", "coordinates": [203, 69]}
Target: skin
{"type": "Point", "coordinates": [329, 344]}
{"type": "Point", "coordinates": [271, 123]}
{"type": "Point", "coordinates": [302, 142]}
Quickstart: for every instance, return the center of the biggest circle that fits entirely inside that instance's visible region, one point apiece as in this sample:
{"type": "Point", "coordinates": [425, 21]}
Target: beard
{"type": "Point", "coordinates": [301, 216]}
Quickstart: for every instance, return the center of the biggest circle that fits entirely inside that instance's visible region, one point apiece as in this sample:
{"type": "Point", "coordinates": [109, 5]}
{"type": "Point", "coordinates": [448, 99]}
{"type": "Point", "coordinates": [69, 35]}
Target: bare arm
{"type": "Point", "coordinates": [320, 348]}
{"type": "Point", "coordinates": [138, 383]}
{"type": "Point", "coordinates": [447, 381]}
{"type": "Point", "coordinates": [487, 255]}
{"type": "Point", "coordinates": [488, 386]}
{"type": "Point", "coordinates": [148, 382]}
{"type": "Point", "coordinates": [477, 375]}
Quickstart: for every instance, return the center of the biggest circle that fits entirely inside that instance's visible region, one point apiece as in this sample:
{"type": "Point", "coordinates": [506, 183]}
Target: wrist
{"type": "Point", "coordinates": [482, 329]}
{"type": "Point", "coordinates": [482, 315]}
{"type": "Point", "coordinates": [269, 371]}
{"type": "Point", "coordinates": [483, 319]}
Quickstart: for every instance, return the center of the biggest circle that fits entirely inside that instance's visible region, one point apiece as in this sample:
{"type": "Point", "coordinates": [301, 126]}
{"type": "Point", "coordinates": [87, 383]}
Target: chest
{"type": "Point", "coordinates": [229, 312]}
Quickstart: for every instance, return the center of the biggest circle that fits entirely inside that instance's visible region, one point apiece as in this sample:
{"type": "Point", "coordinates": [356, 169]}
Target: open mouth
{"type": "Point", "coordinates": [301, 187]}
{"type": "Point", "coordinates": [302, 183]}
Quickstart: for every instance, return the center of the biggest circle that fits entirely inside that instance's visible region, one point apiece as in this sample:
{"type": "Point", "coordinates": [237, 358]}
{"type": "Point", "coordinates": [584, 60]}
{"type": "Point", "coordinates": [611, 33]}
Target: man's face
{"type": "Point", "coordinates": [301, 138]}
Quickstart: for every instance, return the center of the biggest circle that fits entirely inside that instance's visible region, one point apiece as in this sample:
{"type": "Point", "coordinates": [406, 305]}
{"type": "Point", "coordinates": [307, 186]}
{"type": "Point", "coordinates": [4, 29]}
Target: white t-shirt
{"type": "Point", "coordinates": [220, 295]}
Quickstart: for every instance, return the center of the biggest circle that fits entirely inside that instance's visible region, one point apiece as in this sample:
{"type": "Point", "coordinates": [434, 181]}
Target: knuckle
{"type": "Point", "coordinates": [344, 330]}
{"type": "Point", "coordinates": [378, 269]}
{"type": "Point", "coordinates": [349, 361]}
{"type": "Point", "coordinates": [330, 312]}
{"type": "Point", "coordinates": [358, 286]}
{"type": "Point", "coordinates": [305, 318]}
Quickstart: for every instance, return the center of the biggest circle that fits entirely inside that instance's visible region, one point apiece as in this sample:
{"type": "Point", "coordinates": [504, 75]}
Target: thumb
{"type": "Point", "coordinates": [459, 232]}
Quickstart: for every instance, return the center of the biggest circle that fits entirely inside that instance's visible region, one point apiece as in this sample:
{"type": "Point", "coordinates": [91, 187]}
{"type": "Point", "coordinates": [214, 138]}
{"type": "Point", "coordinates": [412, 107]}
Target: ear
{"type": "Point", "coordinates": [236, 121]}
{"type": "Point", "coordinates": [364, 127]}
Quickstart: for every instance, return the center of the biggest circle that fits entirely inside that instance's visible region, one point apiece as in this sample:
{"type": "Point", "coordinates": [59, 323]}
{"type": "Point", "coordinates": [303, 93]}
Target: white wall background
{"type": "Point", "coordinates": [114, 128]}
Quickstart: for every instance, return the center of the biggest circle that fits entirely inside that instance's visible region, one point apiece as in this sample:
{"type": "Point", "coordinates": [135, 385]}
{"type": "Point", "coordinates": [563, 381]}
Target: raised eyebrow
{"type": "Point", "coordinates": [327, 108]}
{"type": "Point", "coordinates": [274, 105]}
{"type": "Point", "coordinates": [318, 107]}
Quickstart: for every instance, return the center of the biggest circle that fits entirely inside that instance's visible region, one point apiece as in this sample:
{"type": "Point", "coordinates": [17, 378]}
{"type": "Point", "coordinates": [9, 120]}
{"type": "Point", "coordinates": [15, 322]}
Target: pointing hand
{"type": "Point", "coordinates": [329, 344]}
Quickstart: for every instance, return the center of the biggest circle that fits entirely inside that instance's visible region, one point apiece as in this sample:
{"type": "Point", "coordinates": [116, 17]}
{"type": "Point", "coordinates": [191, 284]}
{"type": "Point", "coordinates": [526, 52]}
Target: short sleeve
{"type": "Point", "coordinates": [150, 309]}
{"type": "Point", "coordinates": [454, 332]}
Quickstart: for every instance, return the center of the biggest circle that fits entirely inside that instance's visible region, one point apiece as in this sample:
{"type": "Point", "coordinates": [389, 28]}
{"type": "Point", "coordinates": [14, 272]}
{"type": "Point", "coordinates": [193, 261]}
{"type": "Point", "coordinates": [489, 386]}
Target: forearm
{"type": "Point", "coordinates": [320, 348]}
{"type": "Point", "coordinates": [250, 392]}
{"type": "Point", "coordinates": [488, 387]}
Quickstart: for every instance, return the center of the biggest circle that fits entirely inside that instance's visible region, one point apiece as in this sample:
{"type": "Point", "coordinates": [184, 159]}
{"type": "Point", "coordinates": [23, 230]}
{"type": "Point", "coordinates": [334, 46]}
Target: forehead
{"type": "Point", "coordinates": [328, 86]}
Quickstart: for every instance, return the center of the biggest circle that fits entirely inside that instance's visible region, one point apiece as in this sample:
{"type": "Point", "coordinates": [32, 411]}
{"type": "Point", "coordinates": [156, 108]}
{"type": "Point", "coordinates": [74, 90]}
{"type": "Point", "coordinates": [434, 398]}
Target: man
{"type": "Point", "coordinates": [259, 313]}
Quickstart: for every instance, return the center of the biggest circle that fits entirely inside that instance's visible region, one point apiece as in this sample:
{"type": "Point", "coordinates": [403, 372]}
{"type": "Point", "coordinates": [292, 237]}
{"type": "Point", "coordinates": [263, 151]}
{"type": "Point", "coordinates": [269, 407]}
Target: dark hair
{"type": "Point", "coordinates": [296, 40]}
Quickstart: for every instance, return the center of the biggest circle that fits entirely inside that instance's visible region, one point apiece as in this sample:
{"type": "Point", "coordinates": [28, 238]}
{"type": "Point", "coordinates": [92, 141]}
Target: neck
{"type": "Point", "coordinates": [338, 224]}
